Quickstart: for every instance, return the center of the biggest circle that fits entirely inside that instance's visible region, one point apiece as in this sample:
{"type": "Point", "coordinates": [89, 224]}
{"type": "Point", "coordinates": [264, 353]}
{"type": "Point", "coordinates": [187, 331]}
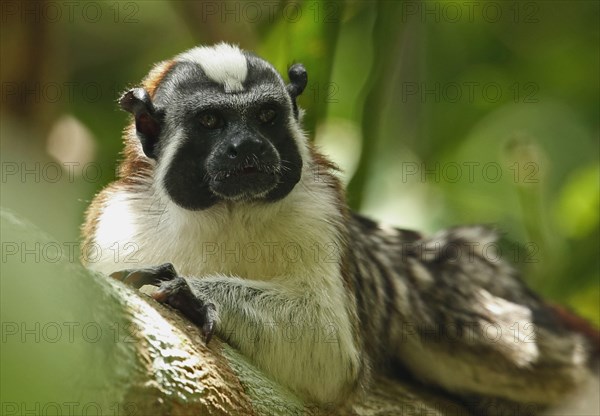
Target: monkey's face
{"type": "Point", "coordinates": [226, 145]}
{"type": "Point", "coordinates": [222, 125]}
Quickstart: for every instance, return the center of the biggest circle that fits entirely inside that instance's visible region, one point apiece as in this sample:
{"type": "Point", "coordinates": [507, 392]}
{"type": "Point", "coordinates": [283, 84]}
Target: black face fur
{"type": "Point", "coordinates": [213, 145]}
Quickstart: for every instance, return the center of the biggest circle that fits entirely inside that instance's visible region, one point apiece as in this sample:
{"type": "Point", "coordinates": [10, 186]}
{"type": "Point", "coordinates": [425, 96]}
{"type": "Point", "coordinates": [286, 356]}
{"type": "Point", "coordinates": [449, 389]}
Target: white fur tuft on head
{"type": "Point", "coordinates": [222, 63]}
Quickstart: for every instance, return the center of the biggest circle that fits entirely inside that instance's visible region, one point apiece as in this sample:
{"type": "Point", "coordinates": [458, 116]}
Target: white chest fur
{"type": "Point", "coordinates": [293, 237]}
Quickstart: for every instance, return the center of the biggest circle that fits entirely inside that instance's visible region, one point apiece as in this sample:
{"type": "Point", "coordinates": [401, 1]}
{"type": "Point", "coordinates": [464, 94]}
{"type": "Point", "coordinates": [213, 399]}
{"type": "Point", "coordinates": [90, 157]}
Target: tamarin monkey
{"type": "Point", "coordinates": [244, 228]}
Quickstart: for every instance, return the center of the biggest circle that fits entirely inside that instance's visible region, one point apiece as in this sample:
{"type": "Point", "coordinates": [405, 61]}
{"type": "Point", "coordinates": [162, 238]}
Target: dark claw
{"type": "Point", "coordinates": [177, 294]}
{"type": "Point", "coordinates": [209, 315]}
{"type": "Point", "coordinates": [149, 276]}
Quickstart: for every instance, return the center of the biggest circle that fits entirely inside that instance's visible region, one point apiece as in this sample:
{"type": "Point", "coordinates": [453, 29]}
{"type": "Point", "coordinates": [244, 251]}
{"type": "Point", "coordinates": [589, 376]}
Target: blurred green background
{"type": "Point", "coordinates": [438, 113]}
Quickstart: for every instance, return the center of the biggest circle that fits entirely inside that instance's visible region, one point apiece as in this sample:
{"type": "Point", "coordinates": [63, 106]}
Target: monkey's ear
{"type": "Point", "coordinates": [298, 79]}
{"type": "Point", "coordinates": [147, 121]}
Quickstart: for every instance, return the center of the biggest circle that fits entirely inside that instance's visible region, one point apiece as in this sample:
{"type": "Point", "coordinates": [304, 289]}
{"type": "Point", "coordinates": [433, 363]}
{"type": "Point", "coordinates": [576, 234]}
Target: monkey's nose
{"type": "Point", "coordinates": [245, 148]}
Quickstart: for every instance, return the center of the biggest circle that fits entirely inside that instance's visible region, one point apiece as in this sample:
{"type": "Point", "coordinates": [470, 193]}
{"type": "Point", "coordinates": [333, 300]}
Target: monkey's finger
{"type": "Point", "coordinates": [174, 292]}
{"type": "Point", "coordinates": [149, 276]}
{"type": "Point", "coordinates": [127, 276]}
{"type": "Point", "coordinates": [164, 272]}
{"type": "Point", "coordinates": [134, 278]}
{"type": "Point", "coordinates": [177, 294]}
{"type": "Point", "coordinates": [209, 312]}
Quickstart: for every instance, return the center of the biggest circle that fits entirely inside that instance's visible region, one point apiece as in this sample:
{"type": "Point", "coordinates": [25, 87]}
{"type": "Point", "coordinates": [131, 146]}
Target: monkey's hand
{"type": "Point", "coordinates": [175, 292]}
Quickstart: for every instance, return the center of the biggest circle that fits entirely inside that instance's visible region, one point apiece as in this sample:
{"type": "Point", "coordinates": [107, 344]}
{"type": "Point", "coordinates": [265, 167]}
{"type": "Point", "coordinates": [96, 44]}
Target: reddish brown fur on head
{"type": "Point", "coordinates": [135, 164]}
{"type": "Point", "coordinates": [156, 75]}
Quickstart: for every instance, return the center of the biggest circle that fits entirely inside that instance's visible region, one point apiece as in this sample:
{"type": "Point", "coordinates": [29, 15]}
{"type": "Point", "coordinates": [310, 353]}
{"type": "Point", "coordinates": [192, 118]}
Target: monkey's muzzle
{"type": "Point", "coordinates": [247, 181]}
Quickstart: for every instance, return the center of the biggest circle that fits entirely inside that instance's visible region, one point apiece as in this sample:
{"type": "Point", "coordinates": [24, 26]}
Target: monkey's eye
{"type": "Point", "coordinates": [210, 120]}
{"type": "Point", "coordinates": [267, 115]}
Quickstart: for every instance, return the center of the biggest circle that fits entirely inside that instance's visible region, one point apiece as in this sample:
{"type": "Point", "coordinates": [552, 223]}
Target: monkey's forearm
{"type": "Point", "coordinates": [303, 345]}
